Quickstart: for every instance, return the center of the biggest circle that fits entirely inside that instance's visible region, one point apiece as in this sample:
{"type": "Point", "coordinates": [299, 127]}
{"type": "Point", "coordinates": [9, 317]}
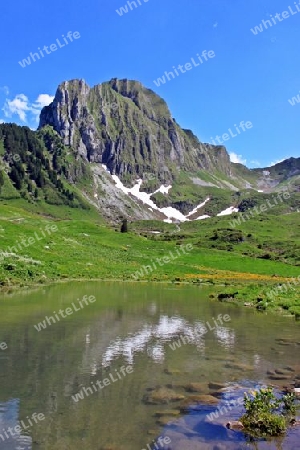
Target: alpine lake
{"type": "Point", "coordinates": [141, 366]}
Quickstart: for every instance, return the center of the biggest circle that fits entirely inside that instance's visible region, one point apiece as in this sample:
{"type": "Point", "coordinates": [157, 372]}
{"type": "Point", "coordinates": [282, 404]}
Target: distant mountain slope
{"type": "Point", "coordinates": [286, 173]}
{"type": "Point", "coordinates": [39, 168]}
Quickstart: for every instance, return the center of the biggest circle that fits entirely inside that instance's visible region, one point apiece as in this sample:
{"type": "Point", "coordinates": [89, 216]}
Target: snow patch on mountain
{"type": "Point", "coordinates": [170, 212]}
{"type": "Point", "coordinates": [198, 207]}
{"type": "Point", "coordinates": [163, 189]}
{"type": "Point", "coordinates": [228, 211]}
{"type": "Point", "coordinates": [203, 217]}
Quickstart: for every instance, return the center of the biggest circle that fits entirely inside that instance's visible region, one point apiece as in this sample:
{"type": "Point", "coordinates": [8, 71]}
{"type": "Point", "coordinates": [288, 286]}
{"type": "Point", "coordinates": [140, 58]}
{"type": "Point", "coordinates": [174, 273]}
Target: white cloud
{"type": "Point", "coordinates": [21, 106]}
{"type": "Point", "coordinates": [18, 106]}
{"type": "Point", "coordinates": [44, 100]}
{"type": "Point", "coordinates": [4, 89]}
{"type": "Point", "coordinates": [238, 159]}
{"type": "Point", "coordinates": [1, 121]}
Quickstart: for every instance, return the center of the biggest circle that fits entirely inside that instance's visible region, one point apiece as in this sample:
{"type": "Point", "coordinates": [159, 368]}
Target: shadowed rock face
{"type": "Point", "coordinates": [130, 129]}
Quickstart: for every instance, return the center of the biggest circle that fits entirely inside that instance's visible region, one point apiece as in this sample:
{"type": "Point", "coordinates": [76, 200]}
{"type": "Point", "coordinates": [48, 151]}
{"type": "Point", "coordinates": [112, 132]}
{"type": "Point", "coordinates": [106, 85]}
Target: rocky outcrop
{"type": "Point", "coordinates": [130, 129]}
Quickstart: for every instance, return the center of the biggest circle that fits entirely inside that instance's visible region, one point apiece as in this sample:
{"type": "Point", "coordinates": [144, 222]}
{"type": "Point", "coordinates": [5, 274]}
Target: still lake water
{"type": "Point", "coordinates": [133, 325]}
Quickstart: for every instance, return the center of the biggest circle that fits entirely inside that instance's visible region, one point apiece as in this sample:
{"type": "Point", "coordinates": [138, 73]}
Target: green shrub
{"type": "Point", "coordinates": [265, 424]}
{"type": "Point", "coordinates": [267, 415]}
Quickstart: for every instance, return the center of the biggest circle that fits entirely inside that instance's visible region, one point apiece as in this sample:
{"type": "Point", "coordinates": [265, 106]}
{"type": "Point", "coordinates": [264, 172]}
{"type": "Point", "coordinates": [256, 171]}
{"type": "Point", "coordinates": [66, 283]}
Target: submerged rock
{"type": "Point", "coordinates": [163, 421]}
{"type": "Point", "coordinates": [162, 395]}
{"type": "Point", "coordinates": [283, 372]}
{"type": "Point", "coordinates": [238, 366]}
{"type": "Point", "coordinates": [168, 413]}
{"type": "Point", "coordinates": [279, 377]}
{"type": "Point", "coordinates": [284, 342]}
{"type": "Point", "coordinates": [196, 387]}
{"type": "Point", "coordinates": [234, 425]}
{"type": "Point", "coordinates": [289, 369]}
{"type": "Point", "coordinates": [204, 399]}
{"type": "Point", "coordinates": [172, 371]}
{"type": "Point", "coordinates": [153, 432]}
{"type": "Point", "coordinates": [216, 386]}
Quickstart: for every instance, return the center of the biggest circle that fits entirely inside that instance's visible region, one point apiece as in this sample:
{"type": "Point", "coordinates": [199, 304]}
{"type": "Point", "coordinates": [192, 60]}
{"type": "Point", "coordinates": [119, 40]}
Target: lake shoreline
{"type": "Point", "coordinates": [224, 291]}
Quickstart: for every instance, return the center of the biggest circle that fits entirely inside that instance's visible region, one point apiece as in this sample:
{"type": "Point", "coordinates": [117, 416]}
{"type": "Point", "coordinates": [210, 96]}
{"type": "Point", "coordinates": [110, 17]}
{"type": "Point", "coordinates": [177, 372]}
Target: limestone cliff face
{"type": "Point", "coordinates": [67, 109]}
{"type": "Point", "coordinates": [130, 129]}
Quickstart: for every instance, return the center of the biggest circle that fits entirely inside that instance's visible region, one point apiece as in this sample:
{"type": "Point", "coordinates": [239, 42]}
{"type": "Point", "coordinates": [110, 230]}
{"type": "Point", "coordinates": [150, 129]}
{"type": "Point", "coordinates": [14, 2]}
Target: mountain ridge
{"type": "Point", "coordinates": [128, 142]}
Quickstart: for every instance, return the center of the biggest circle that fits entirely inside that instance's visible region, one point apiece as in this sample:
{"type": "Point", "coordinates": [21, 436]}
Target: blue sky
{"type": "Point", "coordinates": [251, 78]}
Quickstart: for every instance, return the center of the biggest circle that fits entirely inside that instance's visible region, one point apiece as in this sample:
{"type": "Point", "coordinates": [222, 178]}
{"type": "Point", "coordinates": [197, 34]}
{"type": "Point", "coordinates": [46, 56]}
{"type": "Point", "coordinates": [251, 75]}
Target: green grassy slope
{"type": "Point", "coordinates": [83, 247]}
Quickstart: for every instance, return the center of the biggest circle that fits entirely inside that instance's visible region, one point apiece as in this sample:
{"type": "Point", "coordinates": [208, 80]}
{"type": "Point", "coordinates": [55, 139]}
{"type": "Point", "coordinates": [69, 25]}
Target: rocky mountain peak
{"type": "Point", "coordinates": [129, 128]}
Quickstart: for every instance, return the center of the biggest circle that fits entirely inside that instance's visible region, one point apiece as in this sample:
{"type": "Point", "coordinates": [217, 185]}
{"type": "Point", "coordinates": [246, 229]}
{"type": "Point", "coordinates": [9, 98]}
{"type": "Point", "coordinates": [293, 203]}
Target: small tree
{"type": "Point", "coordinates": [124, 227]}
{"type": "Point", "coordinates": [16, 179]}
{"type": "Point", "coordinates": [1, 179]}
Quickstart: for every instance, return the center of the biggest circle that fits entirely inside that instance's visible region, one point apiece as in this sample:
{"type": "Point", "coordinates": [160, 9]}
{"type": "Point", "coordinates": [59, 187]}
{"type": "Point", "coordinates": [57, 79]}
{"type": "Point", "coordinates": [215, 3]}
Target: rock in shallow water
{"type": "Point", "coordinates": [172, 372]}
{"type": "Point", "coordinates": [283, 372]}
{"type": "Point", "coordinates": [297, 391]}
{"type": "Point", "coordinates": [235, 425]}
{"type": "Point", "coordinates": [196, 387]}
{"type": "Point", "coordinates": [162, 395]}
{"type": "Point", "coordinates": [216, 386]}
{"type": "Point", "coordinates": [163, 421]}
{"type": "Point", "coordinates": [279, 377]}
{"type": "Point", "coordinates": [204, 399]}
{"type": "Point", "coordinates": [168, 412]}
